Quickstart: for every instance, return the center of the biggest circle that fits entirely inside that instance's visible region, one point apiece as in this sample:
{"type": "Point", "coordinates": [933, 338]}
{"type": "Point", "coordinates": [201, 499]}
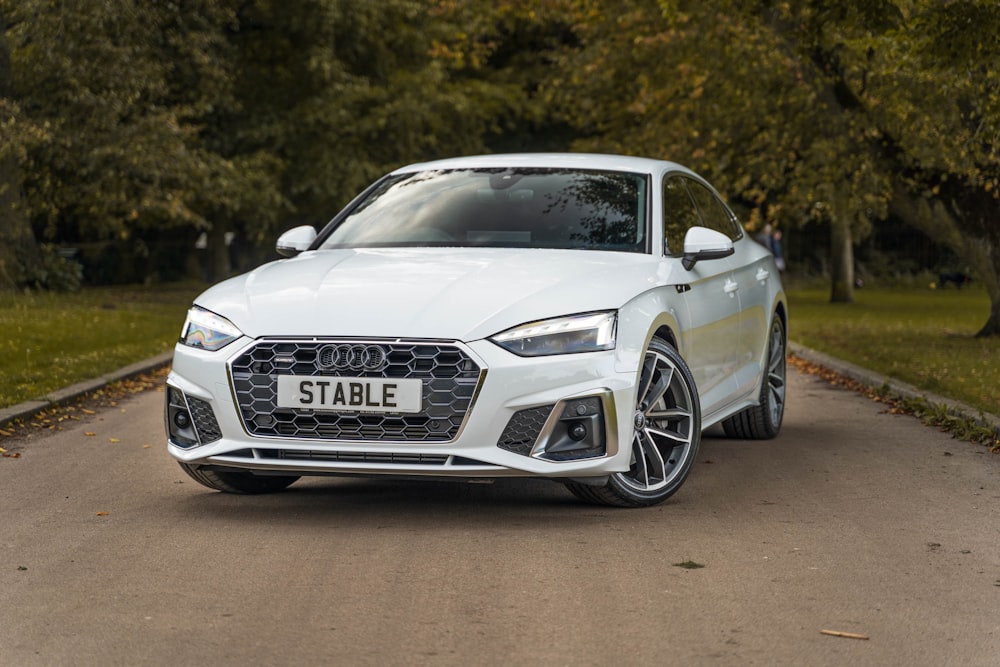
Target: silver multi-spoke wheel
{"type": "Point", "coordinates": [663, 436]}
{"type": "Point", "coordinates": [776, 374]}
{"type": "Point", "coordinates": [763, 420]}
{"type": "Point", "coordinates": [666, 427]}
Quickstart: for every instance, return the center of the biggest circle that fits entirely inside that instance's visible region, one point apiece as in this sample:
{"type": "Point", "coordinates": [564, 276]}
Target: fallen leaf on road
{"type": "Point", "coordinates": [103, 513]}
{"type": "Point", "coordinates": [689, 565]}
{"type": "Point", "coordinates": [11, 455]}
{"type": "Point", "coordinates": [846, 635]}
{"type": "Point", "coordinates": [2, 450]}
{"type": "Point", "coordinates": [89, 433]}
{"type": "Point", "coordinates": [113, 440]}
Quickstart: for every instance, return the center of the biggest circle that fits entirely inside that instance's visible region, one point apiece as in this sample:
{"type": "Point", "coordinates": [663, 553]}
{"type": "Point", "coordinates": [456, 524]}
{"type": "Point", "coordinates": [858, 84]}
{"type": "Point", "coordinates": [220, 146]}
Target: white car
{"type": "Point", "coordinates": [576, 317]}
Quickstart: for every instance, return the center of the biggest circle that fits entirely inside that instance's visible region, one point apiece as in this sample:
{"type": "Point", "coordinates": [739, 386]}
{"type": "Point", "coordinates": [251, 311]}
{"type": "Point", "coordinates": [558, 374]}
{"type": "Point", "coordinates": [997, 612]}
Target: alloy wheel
{"type": "Point", "coordinates": [664, 426]}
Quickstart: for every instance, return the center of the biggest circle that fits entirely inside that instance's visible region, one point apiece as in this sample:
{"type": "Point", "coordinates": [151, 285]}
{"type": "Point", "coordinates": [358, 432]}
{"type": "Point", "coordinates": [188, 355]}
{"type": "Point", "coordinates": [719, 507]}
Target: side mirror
{"type": "Point", "coordinates": [701, 243]}
{"type": "Point", "coordinates": [295, 240]}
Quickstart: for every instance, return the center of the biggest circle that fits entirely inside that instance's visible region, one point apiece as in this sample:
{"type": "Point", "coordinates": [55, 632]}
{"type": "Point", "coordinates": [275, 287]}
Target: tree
{"type": "Point", "coordinates": [722, 90]}
{"type": "Point", "coordinates": [813, 110]}
{"type": "Point", "coordinates": [931, 88]}
{"type": "Point", "coordinates": [230, 117]}
{"type": "Point", "coordinates": [117, 92]}
{"type": "Point", "coordinates": [18, 249]}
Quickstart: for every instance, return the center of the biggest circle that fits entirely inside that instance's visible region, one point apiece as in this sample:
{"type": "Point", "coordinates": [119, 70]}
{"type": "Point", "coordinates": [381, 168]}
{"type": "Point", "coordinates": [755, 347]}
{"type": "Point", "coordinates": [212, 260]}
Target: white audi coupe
{"type": "Point", "coordinates": [576, 317]}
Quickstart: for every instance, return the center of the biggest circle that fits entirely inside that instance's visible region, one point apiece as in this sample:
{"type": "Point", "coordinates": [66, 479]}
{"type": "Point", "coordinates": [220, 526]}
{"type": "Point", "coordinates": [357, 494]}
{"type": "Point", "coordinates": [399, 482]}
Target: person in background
{"type": "Point", "coordinates": [779, 258]}
{"type": "Point", "coordinates": [764, 237]}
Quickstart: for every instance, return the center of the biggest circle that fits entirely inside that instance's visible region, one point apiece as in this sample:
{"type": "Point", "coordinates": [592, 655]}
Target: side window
{"type": "Point", "coordinates": [714, 213]}
{"type": "Point", "coordinates": [679, 214]}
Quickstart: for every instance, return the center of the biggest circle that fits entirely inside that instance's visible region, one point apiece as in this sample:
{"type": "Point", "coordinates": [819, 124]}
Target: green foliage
{"type": "Point", "coordinates": [122, 119]}
{"type": "Point", "coordinates": [110, 96]}
{"type": "Point", "coordinates": [819, 110]}
{"type": "Point", "coordinates": [127, 118]}
{"type": "Point", "coordinates": [54, 272]}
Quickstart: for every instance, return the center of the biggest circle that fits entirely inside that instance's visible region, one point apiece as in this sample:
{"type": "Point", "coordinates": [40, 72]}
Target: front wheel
{"type": "Point", "coordinates": [236, 481]}
{"type": "Point", "coordinates": [665, 438]}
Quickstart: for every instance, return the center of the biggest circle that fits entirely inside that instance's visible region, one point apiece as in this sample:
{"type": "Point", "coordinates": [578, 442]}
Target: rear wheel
{"type": "Point", "coordinates": [666, 434]}
{"type": "Point", "coordinates": [763, 421]}
{"type": "Point", "coordinates": [235, 481]}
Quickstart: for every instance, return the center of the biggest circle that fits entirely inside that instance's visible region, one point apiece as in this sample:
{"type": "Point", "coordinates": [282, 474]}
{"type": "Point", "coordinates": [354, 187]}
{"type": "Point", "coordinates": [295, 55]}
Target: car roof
{"type": "Point", "coordinates": [551, 160]}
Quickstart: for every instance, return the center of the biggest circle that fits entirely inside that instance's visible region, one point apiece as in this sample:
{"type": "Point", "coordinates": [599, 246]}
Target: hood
{"type": "Point", "coordinates": [446, 293]}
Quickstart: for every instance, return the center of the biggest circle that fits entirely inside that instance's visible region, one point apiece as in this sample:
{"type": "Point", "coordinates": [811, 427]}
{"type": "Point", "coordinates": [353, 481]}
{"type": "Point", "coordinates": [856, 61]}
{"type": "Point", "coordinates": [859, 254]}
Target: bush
{"type": "Point", "coordinates": [54, 272]}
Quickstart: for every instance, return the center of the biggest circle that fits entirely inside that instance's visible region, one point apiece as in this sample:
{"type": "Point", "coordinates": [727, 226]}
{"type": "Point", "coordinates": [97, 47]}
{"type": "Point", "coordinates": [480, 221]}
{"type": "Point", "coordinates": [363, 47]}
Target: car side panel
{"type": "Point", "coordinates": [757, 278]}
{"type": "Point", "coordinates": [703, 316]}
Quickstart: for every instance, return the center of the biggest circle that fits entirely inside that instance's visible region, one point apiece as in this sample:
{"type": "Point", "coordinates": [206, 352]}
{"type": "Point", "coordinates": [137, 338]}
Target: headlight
{"type": "Point", "coordinates": [561, 335]}
{"type": "Point", "coordinates": [206, 330]}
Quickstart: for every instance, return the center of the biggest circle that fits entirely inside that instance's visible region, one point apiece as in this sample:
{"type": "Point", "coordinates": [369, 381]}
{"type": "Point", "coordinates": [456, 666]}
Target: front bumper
{"type": "Point", "coordinates": [563, 416]}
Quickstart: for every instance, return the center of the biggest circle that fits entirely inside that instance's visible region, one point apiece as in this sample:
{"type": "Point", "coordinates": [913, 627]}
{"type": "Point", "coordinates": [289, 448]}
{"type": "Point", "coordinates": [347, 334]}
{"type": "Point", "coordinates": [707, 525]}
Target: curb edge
{"type": "Point", "coordinates": [28, 409]}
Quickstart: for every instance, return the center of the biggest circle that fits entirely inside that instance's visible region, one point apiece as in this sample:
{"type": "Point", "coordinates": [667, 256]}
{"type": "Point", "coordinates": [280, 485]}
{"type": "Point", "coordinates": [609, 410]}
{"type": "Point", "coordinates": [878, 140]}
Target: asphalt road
{"type": "Point", "coordinates": [853, 520]}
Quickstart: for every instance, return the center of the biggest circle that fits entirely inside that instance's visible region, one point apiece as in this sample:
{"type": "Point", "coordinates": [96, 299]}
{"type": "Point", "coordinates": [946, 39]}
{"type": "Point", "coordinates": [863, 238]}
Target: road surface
{"type": "Point", "coordinates": [853, 521]}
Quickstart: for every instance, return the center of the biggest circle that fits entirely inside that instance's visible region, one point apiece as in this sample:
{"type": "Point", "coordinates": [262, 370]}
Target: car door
{"type": "Point", "coordinates": [751, 272]}
{"type": "Point", "coordinates": [710, 308]}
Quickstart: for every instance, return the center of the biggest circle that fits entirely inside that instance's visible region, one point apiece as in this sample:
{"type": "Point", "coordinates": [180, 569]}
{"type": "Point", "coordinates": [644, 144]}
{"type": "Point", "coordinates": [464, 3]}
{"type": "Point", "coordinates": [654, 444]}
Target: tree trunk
{"type": "Point", "coordinates": [989, 274]}
{"type": "Point", "coordinates": [992, 326]}
{"type": "Point", "coordinates": [978, 246]}
{"type": "Point", "coordinates": [219, 264]}
{"type": "Point", "coordinates": [841, 261]}
{"type": "Point", "coordinates": [18, 248]}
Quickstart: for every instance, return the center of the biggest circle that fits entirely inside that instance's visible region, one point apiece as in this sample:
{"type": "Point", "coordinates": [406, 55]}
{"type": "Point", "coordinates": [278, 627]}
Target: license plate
{"type": "Point", "coordinates": [340, 394]}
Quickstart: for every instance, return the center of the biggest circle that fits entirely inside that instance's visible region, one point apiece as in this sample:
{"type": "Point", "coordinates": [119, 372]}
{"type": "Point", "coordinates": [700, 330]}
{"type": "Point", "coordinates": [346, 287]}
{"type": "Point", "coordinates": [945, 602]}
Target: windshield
{"type": "Point", "coordinates": [500, 208]}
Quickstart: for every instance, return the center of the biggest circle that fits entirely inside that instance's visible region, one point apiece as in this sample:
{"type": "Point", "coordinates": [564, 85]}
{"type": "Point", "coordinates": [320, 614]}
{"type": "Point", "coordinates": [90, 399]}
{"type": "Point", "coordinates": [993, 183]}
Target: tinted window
{"type": "Point", "coordinates": [679, 214]}
{"type": "Point", "coordinates": [714, 214]}
{"type": "Point", "coordinates": [533, 208]}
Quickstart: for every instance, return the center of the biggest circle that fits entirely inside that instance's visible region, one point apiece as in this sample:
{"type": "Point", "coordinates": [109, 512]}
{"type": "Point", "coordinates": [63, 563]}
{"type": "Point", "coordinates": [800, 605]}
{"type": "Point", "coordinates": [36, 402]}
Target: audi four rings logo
{"type": "Point", "coordinates": [352, 357]}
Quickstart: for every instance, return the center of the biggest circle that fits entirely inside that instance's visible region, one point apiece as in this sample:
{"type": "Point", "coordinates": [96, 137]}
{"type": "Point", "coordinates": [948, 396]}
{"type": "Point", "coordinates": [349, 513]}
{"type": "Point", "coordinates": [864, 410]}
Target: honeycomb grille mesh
{"type": "Point", "coordinates": [523, 428]}
{"type": "Point", "coordinates": [448, 374]}
{"type": "Point", "coordinates": [204, 419]}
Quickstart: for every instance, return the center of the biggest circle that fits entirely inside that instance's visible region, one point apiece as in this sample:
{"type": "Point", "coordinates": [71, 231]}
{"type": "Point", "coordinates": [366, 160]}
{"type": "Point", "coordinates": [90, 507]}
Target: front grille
{"type": "Point", "coordinates": [522, 430]}
{"type": "Point", "coordinates": [449, 377]}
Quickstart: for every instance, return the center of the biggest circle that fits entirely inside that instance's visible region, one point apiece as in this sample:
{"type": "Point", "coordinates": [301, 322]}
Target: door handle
{"type": "Point", "coordinates": [731, 286]}
{"type": "Point", "coordinates": [762, 275]}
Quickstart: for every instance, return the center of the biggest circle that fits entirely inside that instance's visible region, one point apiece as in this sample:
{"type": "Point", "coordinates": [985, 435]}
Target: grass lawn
{"type": "Point", "coordinates": [51, 341]}
{"type": "Point", "coordinates": [917, 335]}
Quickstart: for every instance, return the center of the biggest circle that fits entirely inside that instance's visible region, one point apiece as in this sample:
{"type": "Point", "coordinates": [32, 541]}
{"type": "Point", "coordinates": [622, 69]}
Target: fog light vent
{"type": "Point", "coordinates": [577, 434]}
{"type": "Point", "coordinates": [522, 430]}
{"type": "Point", "coordinates": [190, 421]}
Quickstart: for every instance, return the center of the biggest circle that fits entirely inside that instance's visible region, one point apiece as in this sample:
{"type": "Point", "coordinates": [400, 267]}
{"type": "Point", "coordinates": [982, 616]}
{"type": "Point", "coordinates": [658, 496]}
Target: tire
{"type": "Point", "coordinates": [763, 421]}
{"type": "Point", "coordinates": [237, 482]}
{"type": "Point", "coordinates": [665, 437]}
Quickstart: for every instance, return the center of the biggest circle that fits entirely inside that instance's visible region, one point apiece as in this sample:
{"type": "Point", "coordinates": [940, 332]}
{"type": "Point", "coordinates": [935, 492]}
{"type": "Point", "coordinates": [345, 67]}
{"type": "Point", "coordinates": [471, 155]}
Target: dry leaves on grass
{"type": "Point", "coordinates": [960, 426]}
{"type": "Point", "coordinates": [56, 418]}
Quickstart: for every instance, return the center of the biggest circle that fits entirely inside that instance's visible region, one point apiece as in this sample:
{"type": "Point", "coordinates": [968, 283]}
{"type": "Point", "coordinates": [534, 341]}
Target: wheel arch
{"type": "Point", "coordinates": [666, 334]}
{"type": "Point", "coordinates": [781, 310]}
{"type": "Point", "coordinates": [649, 315]}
